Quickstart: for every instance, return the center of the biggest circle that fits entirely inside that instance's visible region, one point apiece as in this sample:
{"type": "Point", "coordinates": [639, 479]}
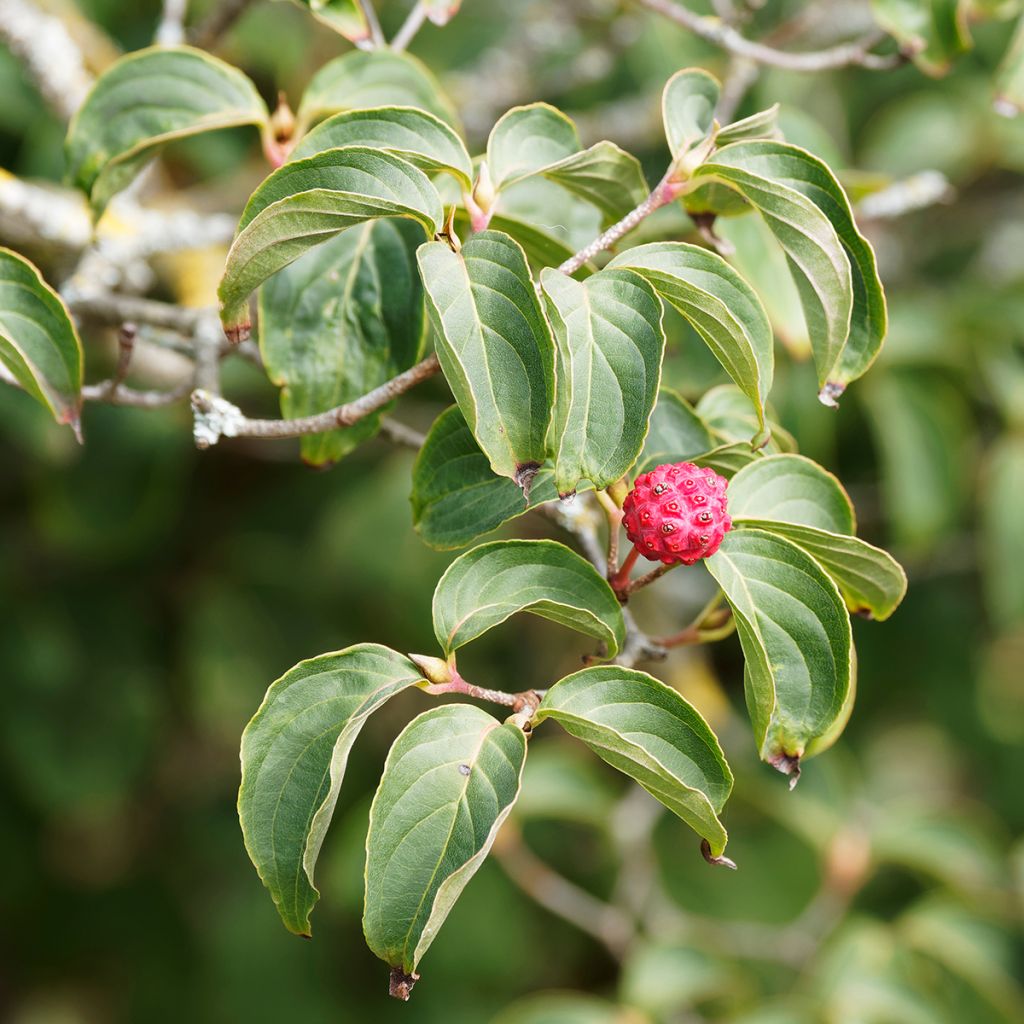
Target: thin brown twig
{"type": "Point", "coordinates": [718, 33]}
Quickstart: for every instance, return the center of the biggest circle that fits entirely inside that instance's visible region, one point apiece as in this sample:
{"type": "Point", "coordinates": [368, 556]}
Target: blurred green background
{"type": "Point", "coordinates": [150, 593]}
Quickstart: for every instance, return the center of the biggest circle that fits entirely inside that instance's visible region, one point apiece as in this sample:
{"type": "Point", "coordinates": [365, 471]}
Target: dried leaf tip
{"type": "Point", "coordinates": [718, 862]}
{"type": "Point", "coordinates": [401, 984]}
{"type": "Point", "coordinates": [788, 764]}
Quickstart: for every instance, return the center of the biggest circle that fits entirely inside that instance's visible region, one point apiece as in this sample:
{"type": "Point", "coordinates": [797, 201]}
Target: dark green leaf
{"type": "Point", "coordinates": [490, 583]}
{"type": "Point", "coordinates": [645, 729]}
{"type": "Point", "coordinates": [294, 753]}
{"type": "Point", "coordinates": [341, 320]}
{"type": "Point", "coordinates": [146, 99]}
{"type": "Point", "coordinates": [719, 304]}
{"type": "Point", "coordinates": [609, 345]}
{"type": "Point", "coordinates": [795, 633]}
{"type": "Point", "coordinates": [38, 342]}
{"type": "Point", "coordinates": [308, 201]}
{"type": "Point", "coordinates": [449, 782]}
{"type": "Point", "coordinates": [494, 345]}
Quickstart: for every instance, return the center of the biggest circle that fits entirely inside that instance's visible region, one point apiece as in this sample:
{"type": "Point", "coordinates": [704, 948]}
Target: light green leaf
{"type": "Point", "coordinates": [294, 753]}
{"type": "Point", "coordinates": [344, 16]}
{"type": "Point", "coordinates": [773, 178]}
{"type": "Point", "coordinates": [1010, 75]}
{"type": "Point", "coordinates": [605, 176]}
{"type": "Point", "coordinates": [415, 135]}
{"type": "Point", "coordinates": [762, 125]}
{"type": "Point", "coordinates": [688, 109]}
{"type": "Point", "coordinates": [528, 139]}
{"type": "Point", "coordinates": [609, 345]}
{"type": "Point", "coordinates": [456, 497]}
{"type": "Point", "coordinates": [645, 729]}
{"type": "Point", "coordinates": [791, 489]}
{"type": "Point", "coordinates": [732, 418]}
{"type": "Point", "coordinates": [338, 322]}
{"type": "Point", "coordinates": [871, 581]}
{"type": "Point", "coordinates": [38, 342]}
{"type": "Point", "coordinates": [494, 345]}
{"type": "Point", "coordinates": [720, 305]}
{"type": "Point", "coordinates": [308, 201]}
{"type": "Point", "coordinates": [146, 99]}
{"type": "Point", "coordinates": [677, 433]}
{"type": "Point", "coordinates": [490, 583]}
{"type": "Point", "coordinates": [934, 32]}
{"type": "Point", "coordinates": [795, 633]}
{"type": "Point", "coordinates": [542, 248]}
{"type": "Point", "coordinates": [372, 79]}
{"type": "Point", "coordinates": [449, 782]}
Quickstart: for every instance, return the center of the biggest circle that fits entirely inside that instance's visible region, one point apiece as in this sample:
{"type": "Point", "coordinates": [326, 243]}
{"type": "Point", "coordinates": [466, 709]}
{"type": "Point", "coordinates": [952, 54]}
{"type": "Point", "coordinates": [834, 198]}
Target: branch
{"type": "Point", "coordinates": [370, 14]}
{"type": "Point", "coordinates": [404, 36]}
{"type": "Point", "coordinates": [609, 925]}
{"type": "Point", "coordinates": [717, 32]}
{"type": "Point", "coordinates": [171, 30]}
{"type": "Point", "coordinates": [216, 418]}
{"type": "Point", "coordinates": [51, 57]}
{"type": "Point", "coordinates": [113, 310]}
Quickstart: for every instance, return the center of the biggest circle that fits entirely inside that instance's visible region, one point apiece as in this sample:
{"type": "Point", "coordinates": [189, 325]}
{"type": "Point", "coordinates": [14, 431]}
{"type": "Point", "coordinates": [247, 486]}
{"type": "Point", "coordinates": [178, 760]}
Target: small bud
{"type": "Point", "coordinates": [282, 121]}
{"type": "Point", "coordinates": [435, 670]}
{"type": "Point", "coordinates": [482, 200]}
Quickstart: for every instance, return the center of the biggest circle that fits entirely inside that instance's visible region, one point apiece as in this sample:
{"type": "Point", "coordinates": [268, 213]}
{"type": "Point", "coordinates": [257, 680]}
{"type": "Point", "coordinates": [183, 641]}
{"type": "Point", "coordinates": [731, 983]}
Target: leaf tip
{"type": "Point", "coordinates": [720, 861]}
{"type": "Point", "coordinates": [400, 985]}
{"type": "Point", "coordinates": [829, 394]}
{"type": "Point", "coordinates": [525, 472]}
{"type": "Point", "coordinates": [788, 764]}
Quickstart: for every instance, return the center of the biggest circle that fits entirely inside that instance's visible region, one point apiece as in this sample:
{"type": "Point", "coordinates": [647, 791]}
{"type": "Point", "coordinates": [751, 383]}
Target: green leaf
{"type": "Point", "coordinates": [645, 729]}
{"type": "Point", "coordinates": [732, 418]}
{"type": "Point", "coordinates": [449, 782]}
{"type": "Point", "coordinates": [490, 583]}
{"type": "Point", "coordinates": [38, 342]}
{"type": "Point", "coordinates": [344, 16]}
{"type": "Point", "coordinates": [146, 99]}
{"type": "Point", "coordinates": [784, 183]}
{"type": "Point", "coordinates": [542, 248]}
{"type": "Point", "coordinates": [494, 345]}
{"type": "Point", "coordinates": [795, 633]}
{"type": "Point", "coordinates": [728, 459]}
{"type": "Point", "coordinates": [294, 753]}
{"type": "Point", "coordinates": [308, 201]}
{"type": "Point", "coordinates": [372, 79]}
{"type": "Point", "coordinates": [1002, 535]}
{"type": "Point", "coordinates": [808, 175]}
{"type": "Point", "coordinates": [720, 305]}
{"type": "Point", "coordinates": [415, 135]}
{"type": "Point", "coordinates": [762, 125]}
{"type": "Point", "coordinates": [688, 109]}
{"type": "Point", "coordinates": [677, 433]}
{"type": "Point", "coordinates": [609, 345]}
{"type": "Point", "coordinates": [871, 581]}
{"type": "Point", "coordinates": [527, 139]}
{"type": "Point", "coordinates": [605, 176]}
{"type": "Point", "coordinates": [791, 489]}
{"type": "Point", "coordinates": [934, 32]}
{"type": "Point", "coordinates": [338, 322]}
{"type": "Point", "coordinates": [456, 497]}
{"type": "Point", "coordinates": [1010, 75]}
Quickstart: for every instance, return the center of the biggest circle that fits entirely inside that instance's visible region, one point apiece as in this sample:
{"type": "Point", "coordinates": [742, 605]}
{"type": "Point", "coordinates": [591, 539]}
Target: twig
{"type": "Point", "coordinates": [517, 701]}
{"type": "Point", "coordinates": [614, 516]}
{"type": "Point", "coordinates": [412, 24]}
{"type": "Point", "coordinates": [665, 192]}
{"type": "Point", "coordinates": [402, 434]}
{"type": "Point", "coordinates": [113, 309]}
{"type": "Point", "coordinates": [123, 395]}
{"type": "Point", "coordinates": [125, 349]}
{"type": "Point", "coordinates": [718, 33]}
{"type": "Point", "coordinates": [372, 22]}
{"type": "Point", "coordinates": [220, 19]}
{"type": "Point", "coordinates": [171, 30]}
{"type": "Point", "coordinates": [609, 925]}
{"type": "Point", "coordinates": [216, 418]}
{"type": "Point", "coordinates": [50, 55]}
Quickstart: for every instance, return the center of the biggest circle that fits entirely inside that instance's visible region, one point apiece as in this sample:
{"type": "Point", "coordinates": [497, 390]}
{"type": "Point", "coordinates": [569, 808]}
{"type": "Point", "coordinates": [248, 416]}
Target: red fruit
{"type": "Point", "coordinates": [677, 513]}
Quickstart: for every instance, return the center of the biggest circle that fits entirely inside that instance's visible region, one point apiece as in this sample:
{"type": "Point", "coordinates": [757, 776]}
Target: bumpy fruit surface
{"type": "Point", "coordinates": [677, 513]}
